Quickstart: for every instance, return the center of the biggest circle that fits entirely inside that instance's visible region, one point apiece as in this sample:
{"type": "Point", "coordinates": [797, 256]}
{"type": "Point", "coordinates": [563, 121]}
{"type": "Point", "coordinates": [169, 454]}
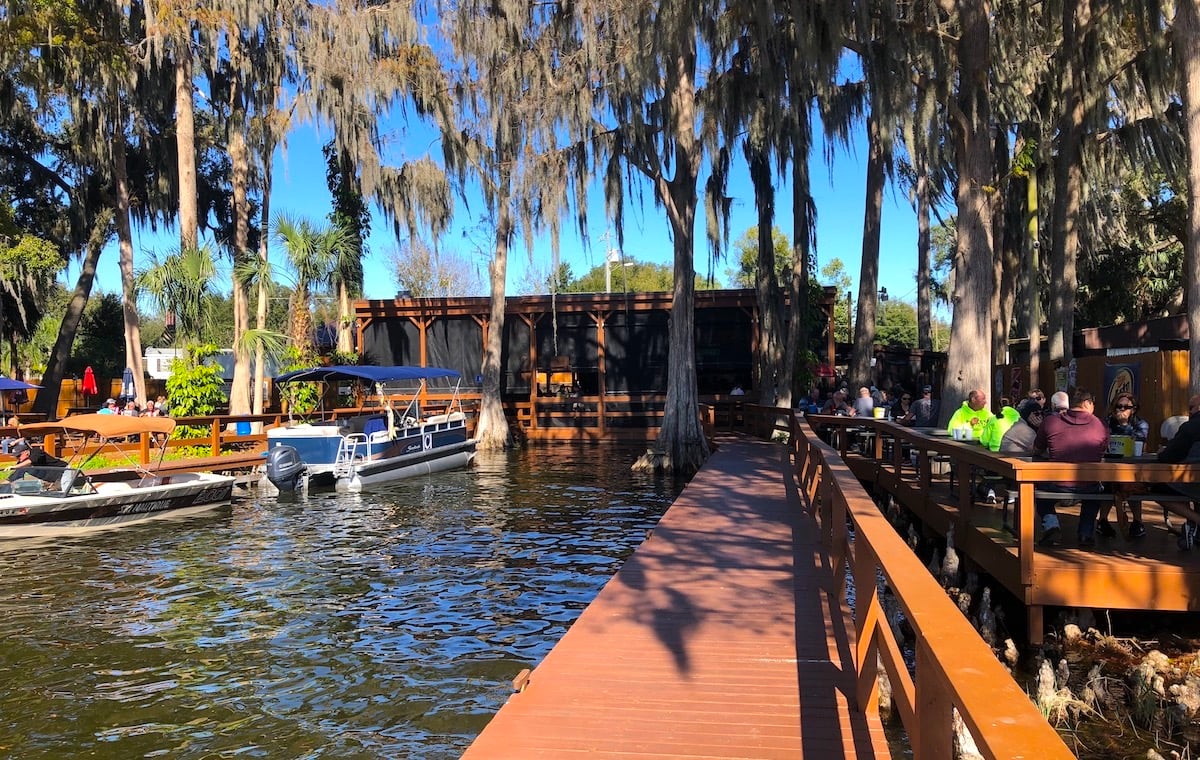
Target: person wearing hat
{"type": "Point", "coordinates": [34, 461]}
{"type": "Point", "coordinates": [110, 407]}
{"type": "Point", "coordinates": [924, 409]}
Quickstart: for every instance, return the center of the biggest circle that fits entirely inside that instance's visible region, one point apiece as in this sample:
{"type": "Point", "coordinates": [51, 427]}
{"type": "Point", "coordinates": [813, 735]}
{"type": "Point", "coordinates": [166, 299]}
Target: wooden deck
{"type": "Point", "coordinates": [1148, 573]}
{"type": "Point", "coordinates": [717, 638]}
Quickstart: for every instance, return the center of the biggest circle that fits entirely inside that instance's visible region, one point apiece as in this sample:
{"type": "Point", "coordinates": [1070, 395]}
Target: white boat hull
{"type": "Point", "coordinates": [93, 506]}
{"type": "Point", "coordinates": [380, 471]}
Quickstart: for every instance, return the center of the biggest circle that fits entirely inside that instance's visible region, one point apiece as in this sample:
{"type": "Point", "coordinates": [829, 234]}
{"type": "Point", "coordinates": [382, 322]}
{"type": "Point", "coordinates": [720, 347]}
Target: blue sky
{"type": "Point", "coordinates": [300, 190]}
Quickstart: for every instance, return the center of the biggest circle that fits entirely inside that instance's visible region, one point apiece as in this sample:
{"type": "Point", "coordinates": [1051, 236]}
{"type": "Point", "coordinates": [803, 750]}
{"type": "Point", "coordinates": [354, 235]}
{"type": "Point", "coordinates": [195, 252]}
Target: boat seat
{"type": "Point", "coordinates": [112, 486]}
{"type": "Point", "coordinates": [366, 423]}
{"type": "Point", "coordinates": [437, 419]}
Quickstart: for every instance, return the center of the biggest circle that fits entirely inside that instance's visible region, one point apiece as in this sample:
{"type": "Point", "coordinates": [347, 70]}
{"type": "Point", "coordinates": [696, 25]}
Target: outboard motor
{"type": "Point", "coordinates": [285, 468]}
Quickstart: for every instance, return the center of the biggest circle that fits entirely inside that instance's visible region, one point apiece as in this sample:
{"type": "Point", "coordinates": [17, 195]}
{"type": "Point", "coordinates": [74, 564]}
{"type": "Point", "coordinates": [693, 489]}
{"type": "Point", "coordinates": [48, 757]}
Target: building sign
{"type": "Point", "coordinates": [1120, 378]}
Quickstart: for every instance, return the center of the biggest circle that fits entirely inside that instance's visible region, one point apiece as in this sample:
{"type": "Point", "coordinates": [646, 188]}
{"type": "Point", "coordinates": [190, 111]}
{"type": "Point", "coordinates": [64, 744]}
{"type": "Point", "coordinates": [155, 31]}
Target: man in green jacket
{"type": "Point", "coordinates": [995, 427]}
{"type": "Point", "coordinates": [973, 413]}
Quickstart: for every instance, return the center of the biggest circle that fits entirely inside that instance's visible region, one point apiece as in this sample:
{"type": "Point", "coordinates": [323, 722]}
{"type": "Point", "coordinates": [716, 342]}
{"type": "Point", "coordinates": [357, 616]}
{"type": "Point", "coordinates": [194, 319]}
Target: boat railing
{"type": "Point", "coordinates": [353, 448]}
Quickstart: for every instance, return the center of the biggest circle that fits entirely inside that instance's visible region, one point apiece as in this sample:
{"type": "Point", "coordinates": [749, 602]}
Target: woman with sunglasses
{"type": "Point", "coordinates": [1123, 419]}
{"type": "Point", "coordinates": [902, 406]}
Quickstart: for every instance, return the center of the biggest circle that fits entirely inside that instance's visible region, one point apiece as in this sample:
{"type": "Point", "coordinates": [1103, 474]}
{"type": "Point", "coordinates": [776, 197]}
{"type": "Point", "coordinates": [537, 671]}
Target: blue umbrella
{"type": "Point", "coordinates": [8, 384]}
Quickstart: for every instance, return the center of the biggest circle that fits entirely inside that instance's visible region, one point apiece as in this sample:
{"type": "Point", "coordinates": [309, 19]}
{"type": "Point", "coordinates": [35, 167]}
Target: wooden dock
{"type": "Point", "coordinates": [717, 638]}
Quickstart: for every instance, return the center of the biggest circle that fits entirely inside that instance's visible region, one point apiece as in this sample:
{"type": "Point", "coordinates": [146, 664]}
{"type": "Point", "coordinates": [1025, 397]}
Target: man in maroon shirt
{"type": "Point", "coordinates": [1075, 435]}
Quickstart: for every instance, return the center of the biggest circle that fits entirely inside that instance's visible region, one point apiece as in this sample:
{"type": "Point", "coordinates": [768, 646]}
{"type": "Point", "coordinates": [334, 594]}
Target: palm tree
{"type": "Point", "coordinates": [313, 254]}
{"type": "Point", "coordinates": [181, 284]}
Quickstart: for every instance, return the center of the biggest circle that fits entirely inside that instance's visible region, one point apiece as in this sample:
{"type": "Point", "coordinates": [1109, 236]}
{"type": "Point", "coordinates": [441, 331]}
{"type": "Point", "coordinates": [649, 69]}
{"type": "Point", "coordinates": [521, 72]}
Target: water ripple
{"type": "Point", "coordinates": [372, 625]}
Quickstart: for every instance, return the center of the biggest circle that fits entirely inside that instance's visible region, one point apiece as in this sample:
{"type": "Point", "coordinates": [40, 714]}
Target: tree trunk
{"type": "Point", "coordinates": [681, 445]}
{"type": "Point", "coordinates": [770, 342]}
{"type": "Point", "coordinates": [1068, 188]}
{"type": "Point", "coordinates": [263, 292]}
{"type": "Point", "coordinates": [46, 401]}
{"type": "Point", "coordinates": [239, 159]}
{"type": "Point", "coordinates": [799, 330]}
{"type": "Point", "coordinates": [924, 278]}
{"type": "Point", "coordinates": [1187, 46]}
{"type": "Point", "coordinates": [493, 431]}
{"type": "Point", "coordinates": [968, 360]}
{"type": "Point", "coordinates": [1002, 266]}
{"type": "Point", "coordinates": [185, 144]}
{"type": "Point", "coordinates": [1032, 277]}
{"type": "Point", "coordinates": [868, 278]}
{"type": "Point", "coordinates": [133, 334]}
{"type": "Point", "coordinates": [345, 339]}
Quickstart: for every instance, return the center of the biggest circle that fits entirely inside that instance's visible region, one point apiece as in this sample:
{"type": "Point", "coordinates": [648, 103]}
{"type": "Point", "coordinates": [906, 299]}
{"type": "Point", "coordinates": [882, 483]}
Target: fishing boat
{"type": "Point", "coordinates": [51, 497]}
{"type": "Point", "coordinates": [384, 443]}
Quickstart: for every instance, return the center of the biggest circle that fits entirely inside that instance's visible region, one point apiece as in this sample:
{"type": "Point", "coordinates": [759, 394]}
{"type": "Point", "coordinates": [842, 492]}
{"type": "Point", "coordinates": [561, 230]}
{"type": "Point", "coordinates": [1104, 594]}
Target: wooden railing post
{"type": "Point", "coordinates": [934, 736]}
{"type": "Point", "coordinates": [216, 437]}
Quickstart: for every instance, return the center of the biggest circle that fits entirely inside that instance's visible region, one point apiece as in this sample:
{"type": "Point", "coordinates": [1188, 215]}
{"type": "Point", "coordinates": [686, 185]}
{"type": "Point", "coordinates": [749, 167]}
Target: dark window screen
{"type": "Point", "coordinates": [455, 343]}
{"type": "Point", "coordinates": [636, 352]}
{"type": "Point", "coordinates": [514, 357]}
{"type": "Point", "coordinates": [576, 341]}
{"type": "Point", "coordinates": [391, 342]}
{"type": "Point", "coordinates": [724, 356]}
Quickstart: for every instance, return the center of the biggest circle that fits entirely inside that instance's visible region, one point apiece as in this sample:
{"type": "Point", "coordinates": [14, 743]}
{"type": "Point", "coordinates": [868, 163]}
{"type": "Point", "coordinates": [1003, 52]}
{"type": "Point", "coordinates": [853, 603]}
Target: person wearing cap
{"type": "Point", "coordinates": [924, 409]}
{"type": "Point", "coordinates": [110, 407]}
{"type": "Point", "coordinates": [34, 461]}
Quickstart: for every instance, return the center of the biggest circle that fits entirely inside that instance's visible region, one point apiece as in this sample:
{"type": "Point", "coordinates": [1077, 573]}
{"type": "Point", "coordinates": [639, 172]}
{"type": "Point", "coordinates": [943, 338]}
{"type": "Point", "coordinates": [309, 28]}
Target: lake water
{"type": "Point", "coordinates": [374, 625]}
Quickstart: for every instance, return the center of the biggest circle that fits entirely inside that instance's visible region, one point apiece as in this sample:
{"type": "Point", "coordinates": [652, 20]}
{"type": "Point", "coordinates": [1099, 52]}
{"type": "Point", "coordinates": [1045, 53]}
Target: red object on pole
{"type": "Point", "coordinates": [89, 382]}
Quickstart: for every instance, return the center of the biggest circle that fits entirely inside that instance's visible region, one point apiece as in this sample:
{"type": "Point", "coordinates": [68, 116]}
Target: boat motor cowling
{"type": "Point", "coordinates": [284, 468]}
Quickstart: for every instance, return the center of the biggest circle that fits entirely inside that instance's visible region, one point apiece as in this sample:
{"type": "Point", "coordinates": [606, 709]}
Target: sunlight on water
{"type": "Point", "coordinates": [369, 625]}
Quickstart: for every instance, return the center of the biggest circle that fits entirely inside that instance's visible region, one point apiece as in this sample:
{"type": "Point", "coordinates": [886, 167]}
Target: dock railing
{"type": "Point", "coordinates": [955, 670]}
{"type": "Point", "coordinates": [902, 461]}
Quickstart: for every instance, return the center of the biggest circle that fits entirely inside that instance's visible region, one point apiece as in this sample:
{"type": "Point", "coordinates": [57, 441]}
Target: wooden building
{"type": "Point", "coordinates": [578, 365]}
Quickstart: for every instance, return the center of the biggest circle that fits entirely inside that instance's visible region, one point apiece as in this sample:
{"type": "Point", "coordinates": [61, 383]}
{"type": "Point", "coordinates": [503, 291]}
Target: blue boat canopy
{"type": "Point", "coordinates": [370, 374]}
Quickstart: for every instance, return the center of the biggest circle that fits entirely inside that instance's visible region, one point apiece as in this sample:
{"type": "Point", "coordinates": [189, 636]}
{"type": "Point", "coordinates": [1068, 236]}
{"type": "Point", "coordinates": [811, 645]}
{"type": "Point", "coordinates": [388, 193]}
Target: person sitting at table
{"type": "Point", "coordinates": [1038, 395]}
{"type": "Point", "coordinates": [1059, 402]}
{"type": "Point", "coordinates": [837, 405]}
{"type": "Point", "coordinates": [973, 414]}
{"type": "Point", "coordinates": [1018, 439]}
{"type": "Point", "coordinates": [1075, 436]}
{"type": "Point", "coordinates": [1184, 446]}
{"type": "Point", "coordinates": [864, 405]}
{"type": "Point", "coordinates": [995, 427]}
{"type": "Point", "coordinates": [925, 409]}
{"type": "Point", "coordinates": [811, 404]}
{"type": "Point", "coordinates": [902, 411]}
{"type": "Point", "coordinates": [1123, 419]}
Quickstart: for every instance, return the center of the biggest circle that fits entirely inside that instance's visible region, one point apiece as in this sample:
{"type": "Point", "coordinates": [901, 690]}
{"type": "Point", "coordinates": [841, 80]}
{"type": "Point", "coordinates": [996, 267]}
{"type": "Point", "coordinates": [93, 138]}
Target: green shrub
{"type": "Point", "coordinates": [299, 398]}
{"type": "Point", "coordinates": [194, 389]}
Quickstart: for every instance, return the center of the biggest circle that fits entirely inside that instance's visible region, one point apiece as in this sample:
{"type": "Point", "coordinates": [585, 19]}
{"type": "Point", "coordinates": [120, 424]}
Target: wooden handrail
{"type": "Point", "coordinates": [955, 669]}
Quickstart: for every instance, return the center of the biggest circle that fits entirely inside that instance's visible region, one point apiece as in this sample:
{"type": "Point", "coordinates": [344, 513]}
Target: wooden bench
{"type": "Point", "coordinates": [1171, 503]}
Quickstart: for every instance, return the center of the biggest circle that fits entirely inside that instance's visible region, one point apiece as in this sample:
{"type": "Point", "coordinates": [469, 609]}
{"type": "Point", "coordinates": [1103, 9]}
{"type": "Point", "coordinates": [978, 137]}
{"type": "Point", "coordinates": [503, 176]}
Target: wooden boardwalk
{"type": "Point", "coordinates": [716, 639]}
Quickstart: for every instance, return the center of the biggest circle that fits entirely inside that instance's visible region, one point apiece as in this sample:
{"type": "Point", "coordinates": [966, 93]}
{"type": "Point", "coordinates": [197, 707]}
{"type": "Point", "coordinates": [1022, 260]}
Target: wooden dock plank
{"type": "Point", "coordinates": [716, 639]}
